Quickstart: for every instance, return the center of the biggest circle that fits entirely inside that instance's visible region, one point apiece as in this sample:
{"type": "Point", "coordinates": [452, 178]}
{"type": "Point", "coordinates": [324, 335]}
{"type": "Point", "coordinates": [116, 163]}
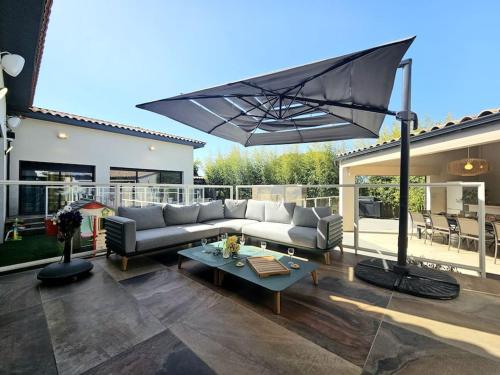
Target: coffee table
{"type": "Point", "coordinates": [276, 284]}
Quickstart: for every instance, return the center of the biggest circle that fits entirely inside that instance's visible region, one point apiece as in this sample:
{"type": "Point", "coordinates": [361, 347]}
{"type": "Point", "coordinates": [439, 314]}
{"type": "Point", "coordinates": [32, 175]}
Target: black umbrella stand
{"type": "Point", "coordinates": [400, 276]}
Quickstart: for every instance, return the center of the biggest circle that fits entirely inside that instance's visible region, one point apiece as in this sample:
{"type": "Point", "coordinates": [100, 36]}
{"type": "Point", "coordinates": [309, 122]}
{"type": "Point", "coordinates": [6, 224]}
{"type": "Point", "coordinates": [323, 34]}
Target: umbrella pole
{"type": "Point", "coordinates": [404, 172]}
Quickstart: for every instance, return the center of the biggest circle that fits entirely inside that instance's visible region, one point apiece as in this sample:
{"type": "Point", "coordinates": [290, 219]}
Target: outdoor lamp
{"type": "Point", "coordinates": [13, 122]}
{"type": "Point", "coordinates": [3, 92]}
{"type": "Point", "coordinates": [11, 63]}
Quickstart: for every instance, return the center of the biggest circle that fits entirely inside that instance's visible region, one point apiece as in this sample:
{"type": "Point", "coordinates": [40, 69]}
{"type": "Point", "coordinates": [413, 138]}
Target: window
{"type": "Point", "coordinates": [144, 176]}
{"type": "Point", "coordinates": [32, 198]}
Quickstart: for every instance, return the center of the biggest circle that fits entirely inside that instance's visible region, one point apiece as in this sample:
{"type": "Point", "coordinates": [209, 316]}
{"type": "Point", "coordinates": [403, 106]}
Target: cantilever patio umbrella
{"type": "Point", "coordinates": [340, 98]}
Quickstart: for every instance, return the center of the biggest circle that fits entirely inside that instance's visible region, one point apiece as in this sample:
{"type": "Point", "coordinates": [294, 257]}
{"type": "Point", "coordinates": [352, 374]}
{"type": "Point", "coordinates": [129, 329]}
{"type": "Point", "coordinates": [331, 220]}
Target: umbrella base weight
{"type": "Point", "coordinates": [60, 272]}
{"type": "Point", "coordinates": [410, 279]}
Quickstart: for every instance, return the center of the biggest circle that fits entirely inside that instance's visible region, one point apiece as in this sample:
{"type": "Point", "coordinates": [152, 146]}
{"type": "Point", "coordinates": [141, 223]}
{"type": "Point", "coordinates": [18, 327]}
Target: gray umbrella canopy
{"type": "Point", "coordinates": [344, 97]}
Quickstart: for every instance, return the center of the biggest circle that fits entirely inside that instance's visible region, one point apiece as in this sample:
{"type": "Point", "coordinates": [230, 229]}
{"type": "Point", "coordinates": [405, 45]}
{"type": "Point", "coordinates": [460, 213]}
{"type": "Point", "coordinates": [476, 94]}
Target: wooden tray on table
{"type": "Point", "coordinates": [265, 266]}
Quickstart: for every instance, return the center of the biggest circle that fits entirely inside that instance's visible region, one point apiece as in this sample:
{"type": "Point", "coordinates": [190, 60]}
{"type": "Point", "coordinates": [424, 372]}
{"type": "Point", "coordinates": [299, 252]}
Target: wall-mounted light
{"type": "Point", "coordinates": [3, 92]}
{"type": "Point", "coordinates": [9, 149]}
{"type": "Point", "coordinates": [152, 148]}
{"type": "Point", "coordinates": [13, 122]}
{"type": "Point", "coordinates": [12, 64]}
{"type": "Point", "coordinates": [62, 135]}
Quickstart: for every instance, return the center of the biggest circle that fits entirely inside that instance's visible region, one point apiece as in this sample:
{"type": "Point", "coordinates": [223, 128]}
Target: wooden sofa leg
{"type": "Point", "coordinates": [328, 259]}
{"type": "Point", "coordinates": [124, 263]}
{"type": "Point", "coordinates": [341, 248]}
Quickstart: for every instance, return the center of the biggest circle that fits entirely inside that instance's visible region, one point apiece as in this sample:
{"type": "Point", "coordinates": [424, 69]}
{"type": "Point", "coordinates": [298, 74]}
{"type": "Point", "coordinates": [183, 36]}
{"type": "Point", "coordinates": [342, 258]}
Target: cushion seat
{"type": "Point", "coordinates": [230, 225]}
{"type": "Point", "coordinates": [283, 233]}
{"type": "Point", "coordinates": [173, 235]}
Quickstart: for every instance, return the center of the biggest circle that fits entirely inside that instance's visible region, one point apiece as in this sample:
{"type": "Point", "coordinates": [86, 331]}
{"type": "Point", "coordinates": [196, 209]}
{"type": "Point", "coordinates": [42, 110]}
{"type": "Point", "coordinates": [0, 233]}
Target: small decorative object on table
{"type": "Point", "coordinates": [231, 247]}
{"type": "Point", "coordinates": [67, 221]}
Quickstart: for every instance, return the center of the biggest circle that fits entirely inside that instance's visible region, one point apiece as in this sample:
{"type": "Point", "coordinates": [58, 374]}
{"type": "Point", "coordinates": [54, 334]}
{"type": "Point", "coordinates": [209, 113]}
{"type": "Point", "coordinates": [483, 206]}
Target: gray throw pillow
{"type": "Point", "coordinates": [279, 212]}
{"type": "Point", "coordinates": [177, 215]}
{"type": "Point", "coordinates": [145, 217]}
{"type": "Point", "coordinates": [255, 210]}
{"type": "Point", "coordinates": [235, 209]}
{"type": "Point", "coordinates": [211, 211]}
{"type": "Point", "coordinates": [309, 216]}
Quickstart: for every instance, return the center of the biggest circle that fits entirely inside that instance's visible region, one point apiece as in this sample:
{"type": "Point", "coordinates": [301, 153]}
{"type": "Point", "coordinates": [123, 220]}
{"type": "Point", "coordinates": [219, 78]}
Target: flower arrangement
{"type": "Point", "coordinates": [67, 221]}
{"type": "Point", "coordinates": [232, 245]}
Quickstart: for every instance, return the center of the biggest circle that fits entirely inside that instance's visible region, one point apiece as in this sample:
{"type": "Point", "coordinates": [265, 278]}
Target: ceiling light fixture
{"type": "Point", "coordinates": [469, 166]}
{"type": "Point", "coordinates": [62, 135]}
{"type": "Point", "coordinates": [152, 148]}
{"type": "Point", "coordinates": [12, 64]}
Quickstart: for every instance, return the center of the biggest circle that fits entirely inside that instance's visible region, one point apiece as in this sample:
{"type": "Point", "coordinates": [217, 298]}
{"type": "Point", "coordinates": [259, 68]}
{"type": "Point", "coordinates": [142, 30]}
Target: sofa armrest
{"type": "Point", "coordinates": [329, 232]}
{"type": "Point", "coordinates": [120, 234]}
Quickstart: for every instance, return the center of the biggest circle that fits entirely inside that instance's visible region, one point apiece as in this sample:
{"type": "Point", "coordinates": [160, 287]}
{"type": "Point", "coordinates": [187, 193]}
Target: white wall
{"type": "Point", "coordinates": [37, 140]}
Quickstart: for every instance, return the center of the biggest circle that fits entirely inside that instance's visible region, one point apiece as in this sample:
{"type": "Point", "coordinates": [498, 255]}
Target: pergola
{"type": "Point", "coordinates": [340, 98]}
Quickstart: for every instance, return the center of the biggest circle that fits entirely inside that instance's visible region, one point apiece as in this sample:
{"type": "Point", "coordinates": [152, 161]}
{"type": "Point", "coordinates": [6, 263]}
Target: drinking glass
{"type": "Point", "coordinates": [242, 240]}
{"type": "Point", "coordinates": [204, 244]}
{"type": "Point", "coordinates": [263, 245]}
{"type": "Point", "coordinates": [291, 251]}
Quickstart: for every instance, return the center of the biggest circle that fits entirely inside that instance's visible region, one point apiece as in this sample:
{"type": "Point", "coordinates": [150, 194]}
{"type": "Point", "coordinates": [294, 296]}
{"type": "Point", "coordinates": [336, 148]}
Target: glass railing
{"type": "Point", "coordinates": [369, 211]}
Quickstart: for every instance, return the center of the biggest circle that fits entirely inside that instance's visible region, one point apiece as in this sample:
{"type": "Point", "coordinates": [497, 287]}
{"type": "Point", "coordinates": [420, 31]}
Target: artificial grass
{"type": "Point", "coordinates": [30, 248]}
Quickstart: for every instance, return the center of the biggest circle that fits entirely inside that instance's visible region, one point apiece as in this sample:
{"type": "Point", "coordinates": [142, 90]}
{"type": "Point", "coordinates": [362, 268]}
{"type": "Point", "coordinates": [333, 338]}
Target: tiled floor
{"type": "Point", "coordinates": [155, 319]}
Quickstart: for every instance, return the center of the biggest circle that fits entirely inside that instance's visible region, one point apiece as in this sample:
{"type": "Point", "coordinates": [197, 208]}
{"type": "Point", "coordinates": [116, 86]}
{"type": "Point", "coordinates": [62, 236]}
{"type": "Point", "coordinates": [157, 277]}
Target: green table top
{"type": "Point", "coordinates": [274, 283]}
{"type": "Point", "coordinates": [211, 260]}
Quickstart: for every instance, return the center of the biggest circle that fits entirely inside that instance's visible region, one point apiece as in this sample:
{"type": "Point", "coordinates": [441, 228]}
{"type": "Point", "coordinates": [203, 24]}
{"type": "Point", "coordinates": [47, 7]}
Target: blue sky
{"type": "Point", "coordinates": [102, 58]}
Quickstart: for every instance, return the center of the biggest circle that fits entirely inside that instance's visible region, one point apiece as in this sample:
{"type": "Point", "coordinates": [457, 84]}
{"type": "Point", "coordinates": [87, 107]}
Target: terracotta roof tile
{"type": "Point", "coordinates": [464, 119]}
{"type": "Point", "coordinates": [114, 125]}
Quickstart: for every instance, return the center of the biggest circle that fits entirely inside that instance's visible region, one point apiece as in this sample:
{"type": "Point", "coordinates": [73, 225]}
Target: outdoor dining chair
{"type": "Point", "coordinates": [439, 225]}
{"type": "Point", "coordinates": [418, 221]}
{"type": "Point", "coordinates": [468, 229]}
{"type": "Point", "coordinates": [496, 229]}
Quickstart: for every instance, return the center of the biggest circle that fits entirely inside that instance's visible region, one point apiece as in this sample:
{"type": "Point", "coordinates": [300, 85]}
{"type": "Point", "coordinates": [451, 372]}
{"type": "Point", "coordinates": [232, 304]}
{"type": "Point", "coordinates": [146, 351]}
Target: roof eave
{"type": "Point", "coordinates": [419, 137]}
{"type": "Point", "coordinates": [107, 128]}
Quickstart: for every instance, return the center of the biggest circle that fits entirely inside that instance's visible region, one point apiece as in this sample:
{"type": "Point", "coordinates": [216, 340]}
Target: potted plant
{"type": "Point", "coordinates": [231, 247]}
{"type": "Point", "coordinates": [67, 220]}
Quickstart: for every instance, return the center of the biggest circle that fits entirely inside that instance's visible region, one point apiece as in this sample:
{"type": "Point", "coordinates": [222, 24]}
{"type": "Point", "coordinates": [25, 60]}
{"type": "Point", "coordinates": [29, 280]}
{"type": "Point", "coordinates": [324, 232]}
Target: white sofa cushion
{"type": "Point", "coordinates": [230, 225]}
{"type": "Point", "coordinates": [279, 212]}
{"type": "Point", "coordinates": [255, 210]}
{"type": "Point", "coordinates": [145, 217]}
{"type": "Point", "coordinates": [282, 233]}
{"type": "Point", "coordinates": [173, 235]}
{"type": "Point", "coordinates": [177, 214]}
{"type": "Point", "coordinates": [309, 216]}
{"type": "Point", "coordinates": [235, 209]}
{"type": "Point", "coordinates": [211, 211]}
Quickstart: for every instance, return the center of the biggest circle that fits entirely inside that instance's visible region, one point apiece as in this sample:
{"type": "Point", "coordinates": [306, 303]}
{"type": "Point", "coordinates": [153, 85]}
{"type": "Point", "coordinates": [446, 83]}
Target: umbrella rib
{"type": "Point", "coordinates": [232, 118]}
{"type": "Point", "coordinates": [260, 122]}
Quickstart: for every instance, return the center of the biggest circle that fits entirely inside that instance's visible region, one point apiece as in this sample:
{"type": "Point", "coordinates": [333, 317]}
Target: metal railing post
{"type": "Point", "coordinates": [356, 219]}
{"type": "Point", "coordinates": [482, 228]}
{"type": "Point", "coordinates": [237, 192]}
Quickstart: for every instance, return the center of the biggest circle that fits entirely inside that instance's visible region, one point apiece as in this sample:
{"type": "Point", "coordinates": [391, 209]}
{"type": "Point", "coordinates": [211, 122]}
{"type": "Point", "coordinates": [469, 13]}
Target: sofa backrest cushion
{"type": "Point", "coordinates": [149, 217]}
{"type": "Point", "coordinates": [309, 216]}
{"type": "Point", "coordinates": [235, 209]}
{"type": "Point", "coordinates": [279, 212]}
{"type": "Point", "coordinates": [211, 211]}
{"type": "Point", "coordinates": [255, 210]}
{"type": "Point", "coordinates": [177, 214]}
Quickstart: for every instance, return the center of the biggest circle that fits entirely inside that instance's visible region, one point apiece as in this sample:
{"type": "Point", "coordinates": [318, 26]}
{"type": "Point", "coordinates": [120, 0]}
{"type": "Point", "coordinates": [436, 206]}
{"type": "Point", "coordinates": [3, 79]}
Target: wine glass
{"type": "Point", "coordinates": [263, 245]}
{"type": "Point", "coordinates": [242, 240]}
{"type": "Point", "coordinates": [291, 251]}
{"type": "Point", "coordinates": [204, 244]}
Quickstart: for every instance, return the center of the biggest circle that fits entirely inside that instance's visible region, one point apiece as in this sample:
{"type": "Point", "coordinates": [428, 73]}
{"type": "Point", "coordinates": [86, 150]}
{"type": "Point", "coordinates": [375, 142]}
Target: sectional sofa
{"type": "Point", "coordinates": [136, 231]}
